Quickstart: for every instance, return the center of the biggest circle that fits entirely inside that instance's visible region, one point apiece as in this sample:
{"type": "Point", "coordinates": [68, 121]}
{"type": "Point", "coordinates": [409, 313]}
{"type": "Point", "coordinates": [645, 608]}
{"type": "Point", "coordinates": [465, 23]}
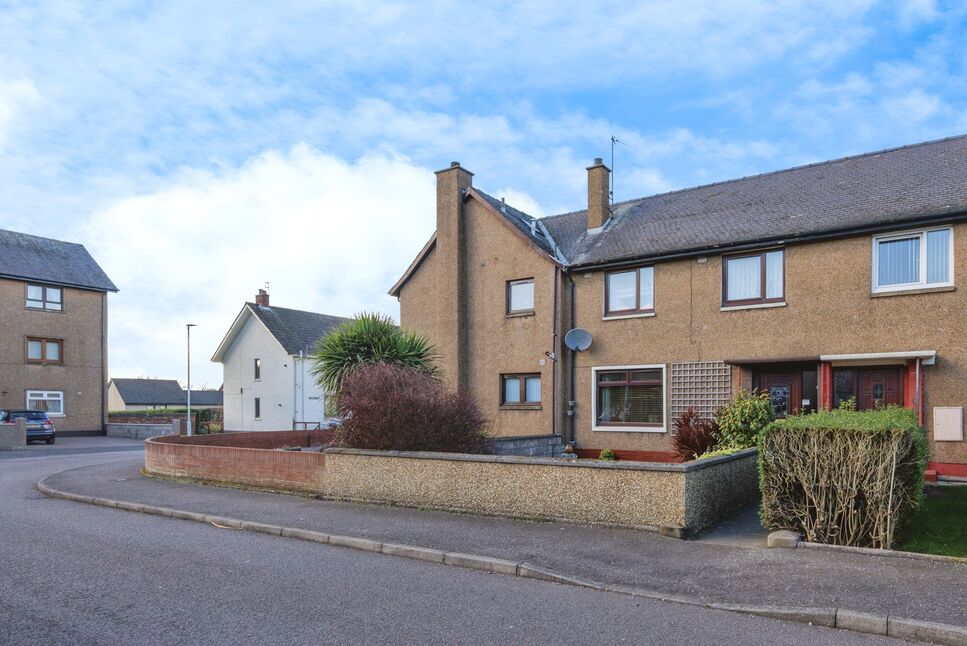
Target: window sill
{"type": "Point", "coordinates": [618, 317]}
{"type": "Point", "coordinates": [521, 407]}
{"type": "Point", "coordinates": [752, 306]}
{"type": "Point", "coordinates": [912, 291]}
{"type": "Point", "coordinates": [629, 429]}
{"type": "Point", "coordinates": [514, 315]}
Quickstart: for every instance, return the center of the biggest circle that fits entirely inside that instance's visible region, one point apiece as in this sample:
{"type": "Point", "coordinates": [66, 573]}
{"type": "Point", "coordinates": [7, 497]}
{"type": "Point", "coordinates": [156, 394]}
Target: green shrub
{"type": "Point", "coordinates": [843, 477]}
{"type": "Point", "coordinates": [716, 453]}
{"type": "Point", "coordinates": [607, 454]}
{"type": "Point", "coordinates": [742, 422]}
{"type": "Point", "coordinates": [369, 338]}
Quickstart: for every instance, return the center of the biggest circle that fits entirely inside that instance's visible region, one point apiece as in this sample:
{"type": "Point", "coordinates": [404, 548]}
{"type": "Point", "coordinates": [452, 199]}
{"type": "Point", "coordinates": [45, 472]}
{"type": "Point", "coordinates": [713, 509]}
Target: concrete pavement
{"type": "Point", "coordinates": [710, 571]}
{"type": "Point", "coordinates": [81, 574]}
{"type": "Point", "coordinates": [71, 445]}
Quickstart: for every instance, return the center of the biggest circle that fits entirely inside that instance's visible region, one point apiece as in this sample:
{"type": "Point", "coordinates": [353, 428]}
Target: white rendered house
{"type": "Point", "coordinates": [268, 383]}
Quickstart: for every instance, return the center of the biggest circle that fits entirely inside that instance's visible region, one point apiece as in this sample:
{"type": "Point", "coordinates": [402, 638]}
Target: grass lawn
{"type": "Point", "coordinates": [940, 526]}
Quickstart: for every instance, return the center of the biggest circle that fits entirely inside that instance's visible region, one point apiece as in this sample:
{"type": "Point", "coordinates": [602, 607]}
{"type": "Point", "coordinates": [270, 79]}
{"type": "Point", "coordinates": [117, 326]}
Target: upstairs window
{"type": "Point", "coordinates": [913, 260]}
{"type": "Point", "coordinates": [44, 350]}
{"type": "Point", "coordinates": [258, 369]}
{"type": "Point", "coordinates": [520, 390]}
{"type": "Point", "coordinates": [520, 296]}
{"type": "Point", "coordinates": [629, 292]}
{"type": "Point", "coordinates": [754, 279]}
{"type": "Point", "coordinates": [258, 408]}
{"type": "Point", "coordinates": [42, 297]}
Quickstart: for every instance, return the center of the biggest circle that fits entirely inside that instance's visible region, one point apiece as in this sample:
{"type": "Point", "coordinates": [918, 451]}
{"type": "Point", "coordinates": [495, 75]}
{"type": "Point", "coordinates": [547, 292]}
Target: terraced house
{"type": "Point", "coordinates": [53, 331]}
{"type": "Point", "coordinates": [818, 284]}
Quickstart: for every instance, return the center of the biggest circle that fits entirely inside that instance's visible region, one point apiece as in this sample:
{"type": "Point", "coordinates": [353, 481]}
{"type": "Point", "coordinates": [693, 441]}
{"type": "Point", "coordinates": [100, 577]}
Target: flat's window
{"type": "Point", "coordinates": [629, 291]}
{"type": "Point", "coordinates": [49, 401]}
{"type": "Point", "coordinates": [913, 260]}
{"type": "Point", "coordinates": [258, 408]}
{"type": "Point", "coordinates": [42, 297]}
{"type": "Point", "coordinates": [258, 369]}
{"type": "Point", "coordinates": [630, 397]}
{"type": "Point", "coordinates": [520, 296]}
{"type": "Point", "coordinates": [44, 350]}
{"type": "Point", "coordinates": [520, 389]}
{"type": "Point", "coordinates": [754, 278]}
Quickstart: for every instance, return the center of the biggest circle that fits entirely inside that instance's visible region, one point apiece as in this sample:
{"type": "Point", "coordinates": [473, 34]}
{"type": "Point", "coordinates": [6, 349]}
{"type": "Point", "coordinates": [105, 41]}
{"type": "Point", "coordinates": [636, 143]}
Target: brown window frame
{"type": "Point", "coordinates": [43, 299]}
{"type": "Point", "coordinates": [511, 283]}
{"type": "Point", "coordinates": [638, 309]}
{"type": "Point", "coordinates": [599, 385]}
{"type": "Point", "coordinates": [43, 351]}
{"type": "Point", "coordinates": [762, 279]}
{"type": "Point", "coordinates": [522, 378]}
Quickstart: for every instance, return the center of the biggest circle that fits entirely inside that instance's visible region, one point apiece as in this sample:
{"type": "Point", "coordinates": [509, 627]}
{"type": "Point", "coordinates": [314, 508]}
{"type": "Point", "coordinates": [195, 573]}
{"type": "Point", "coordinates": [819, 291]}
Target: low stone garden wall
{"type": "Point", "coordinates": [141, 431]}
{"type": "Point", "coordinates": [684, 497]}
{"type": "Point", "coordinates": [13, 437]}
{"type": "Point", "coordinates": [677, 498]}
{"type": "Point", "coordinates": [250, 459]}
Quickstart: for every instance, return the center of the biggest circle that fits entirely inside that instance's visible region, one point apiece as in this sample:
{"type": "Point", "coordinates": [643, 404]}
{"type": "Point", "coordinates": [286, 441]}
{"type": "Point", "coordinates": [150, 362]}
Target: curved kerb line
{"type": "Point", "coordinates": [845, 619]}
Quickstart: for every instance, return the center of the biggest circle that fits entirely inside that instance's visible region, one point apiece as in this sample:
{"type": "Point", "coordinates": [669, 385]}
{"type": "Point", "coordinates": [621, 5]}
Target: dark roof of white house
{"type": "Point", "coordinates": [206, 397]}
{"type": "Point", "coordinates": [147, 392]}
{"type": "Point", "coordinates": [27, 257]}
{"type": "Point", "coordinates": [296, 330]}
{"type": "Point", "coordinates": [890, 188]}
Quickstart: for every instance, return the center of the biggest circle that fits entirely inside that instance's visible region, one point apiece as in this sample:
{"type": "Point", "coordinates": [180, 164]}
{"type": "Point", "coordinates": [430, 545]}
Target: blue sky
{"type": "Point", "coordinates": [202, 149]}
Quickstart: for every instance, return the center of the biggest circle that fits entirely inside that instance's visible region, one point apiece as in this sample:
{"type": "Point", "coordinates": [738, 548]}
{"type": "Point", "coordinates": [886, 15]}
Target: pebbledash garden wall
{"type": "Point", "coordinates": [676, 498]}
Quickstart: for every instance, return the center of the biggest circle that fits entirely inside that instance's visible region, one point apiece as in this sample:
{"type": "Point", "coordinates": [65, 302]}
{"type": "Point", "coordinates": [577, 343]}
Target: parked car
{"type": "Point", "coordinates": [39, 426]}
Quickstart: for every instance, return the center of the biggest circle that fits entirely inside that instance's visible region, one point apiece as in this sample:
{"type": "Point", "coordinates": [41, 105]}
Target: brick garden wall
{"type": "Point", "coordinates": [246, 459]}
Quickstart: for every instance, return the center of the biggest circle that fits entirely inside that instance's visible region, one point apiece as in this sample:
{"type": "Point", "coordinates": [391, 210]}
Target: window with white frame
{"type": "Point", "coordinates": [913, 260]}
{"type": "Point", "coordinates": [49, 401]}
{"type": "Point", "coordinates": [520, 296]}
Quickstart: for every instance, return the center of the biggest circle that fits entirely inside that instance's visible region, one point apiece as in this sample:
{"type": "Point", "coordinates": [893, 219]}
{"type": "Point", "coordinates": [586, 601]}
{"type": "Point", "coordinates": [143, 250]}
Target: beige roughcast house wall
{"type": "Point", "coordinates": [82, 325]}
{"type": "Point", "coordinates": [829, 309]}
{"type": "Point", "coordinates": [457, 297]}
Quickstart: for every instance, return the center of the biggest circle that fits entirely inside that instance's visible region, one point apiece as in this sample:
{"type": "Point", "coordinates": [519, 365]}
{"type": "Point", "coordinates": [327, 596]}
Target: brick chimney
{"type": "Point", "coordinates": [262, 298]}
{"type": "Point", "coordinates": [599, 209]}
{"type": "Point", "coordinates": [451, 187]}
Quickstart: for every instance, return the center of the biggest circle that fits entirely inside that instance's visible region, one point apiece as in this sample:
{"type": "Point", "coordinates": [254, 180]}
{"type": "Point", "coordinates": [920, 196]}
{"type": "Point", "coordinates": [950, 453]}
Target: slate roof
{"type": "Point", "coordinates": [27, 257]}
{"type": "Point", "coordinates": [206, 397]}
{"type": "Point", "coordinates": [296, 330]}
{"type": "Point", "coordinates": [530, 226]}
{"type": "Point", "coordinates": [148, 392]}
{"type": "Point", "coordinates": [880, 189]}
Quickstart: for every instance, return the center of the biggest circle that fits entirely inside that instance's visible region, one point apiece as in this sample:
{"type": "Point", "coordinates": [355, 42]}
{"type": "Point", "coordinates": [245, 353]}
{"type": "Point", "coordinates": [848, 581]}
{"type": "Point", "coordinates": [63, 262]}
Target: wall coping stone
{"type": "Point", "coordinates": [695, 465]}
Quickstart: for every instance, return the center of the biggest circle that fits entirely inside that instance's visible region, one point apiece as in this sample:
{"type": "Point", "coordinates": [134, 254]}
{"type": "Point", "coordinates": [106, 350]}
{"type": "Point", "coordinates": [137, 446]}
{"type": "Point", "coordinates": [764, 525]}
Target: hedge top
{"type": "Point", "coordinates": [892, 417]}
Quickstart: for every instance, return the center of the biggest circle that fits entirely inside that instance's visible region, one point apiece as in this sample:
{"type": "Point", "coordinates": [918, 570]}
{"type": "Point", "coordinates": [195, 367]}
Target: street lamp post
{"type": "Point", "coordinates": [188, 327]}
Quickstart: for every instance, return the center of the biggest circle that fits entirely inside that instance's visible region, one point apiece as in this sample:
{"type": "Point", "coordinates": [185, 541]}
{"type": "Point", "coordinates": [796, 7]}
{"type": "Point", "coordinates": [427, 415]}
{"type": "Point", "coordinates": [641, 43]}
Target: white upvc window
{"type": "Point", "coordinates": [913, 260]}
{"type": "Point", "coordinates": [49, 401]}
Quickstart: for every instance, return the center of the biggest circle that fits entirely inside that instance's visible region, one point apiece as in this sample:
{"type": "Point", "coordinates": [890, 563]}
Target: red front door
{"type": "Point", "coordinates": [784, 391]}
{"type": "Point", "coordinates": [878, 387]}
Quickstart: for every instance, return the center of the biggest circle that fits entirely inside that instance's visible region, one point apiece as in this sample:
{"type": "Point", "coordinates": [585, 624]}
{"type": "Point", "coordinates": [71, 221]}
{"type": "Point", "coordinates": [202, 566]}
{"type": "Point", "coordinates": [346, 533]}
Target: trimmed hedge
{"type": "Point", "coordinates": [843, 477]}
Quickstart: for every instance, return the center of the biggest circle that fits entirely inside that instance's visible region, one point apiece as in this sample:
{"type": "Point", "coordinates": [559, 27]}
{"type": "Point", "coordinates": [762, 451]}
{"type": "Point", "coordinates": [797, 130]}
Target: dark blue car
{"type": "Point", "coordinates": [39, 426]}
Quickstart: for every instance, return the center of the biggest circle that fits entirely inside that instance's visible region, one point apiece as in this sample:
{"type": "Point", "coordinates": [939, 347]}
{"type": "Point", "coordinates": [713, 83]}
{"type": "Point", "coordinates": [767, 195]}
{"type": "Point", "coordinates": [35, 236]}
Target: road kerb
{"type": "Point", "coordinates": [804, 615]}
{"type": "Point", "coordinates": [529, 571]}
{"type": "Point", "coordinates": [937, 633]}
{"type": "Point", "coordinates": [926, 631]}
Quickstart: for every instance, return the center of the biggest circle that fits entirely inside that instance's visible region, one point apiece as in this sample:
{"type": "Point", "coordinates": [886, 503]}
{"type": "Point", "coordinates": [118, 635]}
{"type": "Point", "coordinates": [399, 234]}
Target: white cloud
{"type": "Point", "coordinates": [914, 107]}
{"type": "Point", "coordinates": [329, 236]}
{"type": "Point", "coordinates": [16, 95]}
{"type": "Point", "coordinates": [915, 12]}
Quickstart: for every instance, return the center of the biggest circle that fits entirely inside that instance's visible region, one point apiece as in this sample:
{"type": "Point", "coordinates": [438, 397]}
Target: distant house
{"type": "Point", "coordinates": [268, 383]}
{"type": "Point", "coordinates": [53, 331]}
{"type": "Point", "coordinates": [151, 394]}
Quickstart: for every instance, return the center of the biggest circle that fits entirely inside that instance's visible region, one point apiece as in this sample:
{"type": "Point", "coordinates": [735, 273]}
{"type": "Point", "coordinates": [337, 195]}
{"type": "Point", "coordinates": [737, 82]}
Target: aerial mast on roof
{"type": "Point", "coordinates": [614, 140]}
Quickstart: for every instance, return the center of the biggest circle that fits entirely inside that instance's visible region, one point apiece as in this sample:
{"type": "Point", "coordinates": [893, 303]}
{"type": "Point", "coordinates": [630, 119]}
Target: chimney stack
{"type": "Point", "coordinates": [599, 202]}
{"type": "Point", "coordinates": [262, 298]}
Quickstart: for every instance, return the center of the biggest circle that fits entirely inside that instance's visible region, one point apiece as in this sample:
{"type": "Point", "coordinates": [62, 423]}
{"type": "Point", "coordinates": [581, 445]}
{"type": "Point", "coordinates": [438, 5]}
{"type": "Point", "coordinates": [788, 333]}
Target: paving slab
{"type": "Point", "coordinates": [916, 589]}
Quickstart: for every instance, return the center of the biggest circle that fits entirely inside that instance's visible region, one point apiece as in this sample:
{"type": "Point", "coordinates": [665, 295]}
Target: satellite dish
{"type": "Point", "coordinates": [578, 339]}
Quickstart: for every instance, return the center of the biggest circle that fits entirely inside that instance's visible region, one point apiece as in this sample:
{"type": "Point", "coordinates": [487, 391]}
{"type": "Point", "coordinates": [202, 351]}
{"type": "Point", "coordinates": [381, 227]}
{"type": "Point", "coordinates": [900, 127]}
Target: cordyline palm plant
{"type": "Point", "coordinates": [369, 338]}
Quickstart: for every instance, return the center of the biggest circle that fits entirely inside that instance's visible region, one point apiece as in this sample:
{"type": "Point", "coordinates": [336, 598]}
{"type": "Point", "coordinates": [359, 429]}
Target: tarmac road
{"type": "Point", "coordinates": [77, 574]}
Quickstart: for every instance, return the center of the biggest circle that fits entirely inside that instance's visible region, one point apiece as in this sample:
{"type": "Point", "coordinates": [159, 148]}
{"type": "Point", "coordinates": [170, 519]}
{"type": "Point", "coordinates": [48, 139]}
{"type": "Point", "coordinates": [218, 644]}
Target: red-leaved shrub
{"type": "Point", "coordinates": [694, 435]}
{"type": "Point", "coordinates": [390, 407]}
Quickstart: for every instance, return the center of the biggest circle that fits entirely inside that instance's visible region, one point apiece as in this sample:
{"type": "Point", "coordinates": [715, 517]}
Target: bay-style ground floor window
{"type": "Point", "coordinates": [49, 401]}
{"type": "Point", "coordinates": [629, 398]}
